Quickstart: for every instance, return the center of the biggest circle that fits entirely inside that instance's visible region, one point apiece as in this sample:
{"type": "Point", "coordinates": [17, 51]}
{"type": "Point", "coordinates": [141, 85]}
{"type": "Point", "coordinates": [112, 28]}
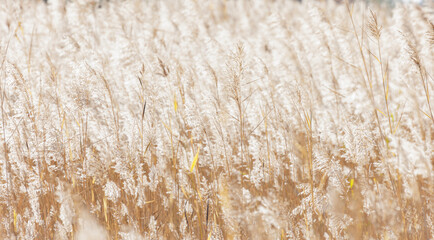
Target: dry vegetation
{"type": "Point", "coordinates": [216, 120]}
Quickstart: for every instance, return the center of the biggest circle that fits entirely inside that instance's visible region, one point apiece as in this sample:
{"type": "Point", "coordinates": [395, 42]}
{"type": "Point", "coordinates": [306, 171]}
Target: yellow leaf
{"type": "Point", "coordinates": [93, 194]}
{"type": "Point", "coordinates": [351, 183]}
{"type": "Point", "coordinates": [183, 191]}
{"type": "Point", "coordinates": [175, 103]}
{"type": "Point", "coordinates": [194, 160]}
{"type": "Point", "coordinates": [200, 195]}
{"type": "Point", "coordinates": [381, 112]}
{"type": "Point", "coordinates": [425, 114]}
{"type": "Point", "coordinates": [15, 220]}
{"type": "Point", "coordinates": [376, 58]}
{"type": "Point", "coordinates": [105, 209]}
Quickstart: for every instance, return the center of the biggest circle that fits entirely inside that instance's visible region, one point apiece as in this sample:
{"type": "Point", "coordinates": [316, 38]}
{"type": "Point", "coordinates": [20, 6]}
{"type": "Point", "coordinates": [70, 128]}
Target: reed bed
{"type": "Point", "coordinates": [216, 120]}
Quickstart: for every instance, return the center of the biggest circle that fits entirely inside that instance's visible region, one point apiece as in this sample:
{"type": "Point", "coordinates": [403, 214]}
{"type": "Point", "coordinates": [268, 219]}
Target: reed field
{"type": "Point", "coordinates": [207, 119]}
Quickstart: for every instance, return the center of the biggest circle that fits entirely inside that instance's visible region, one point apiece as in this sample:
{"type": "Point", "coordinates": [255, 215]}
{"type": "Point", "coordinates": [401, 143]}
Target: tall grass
{"type": "Point", "coordinates": [216, 120]}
